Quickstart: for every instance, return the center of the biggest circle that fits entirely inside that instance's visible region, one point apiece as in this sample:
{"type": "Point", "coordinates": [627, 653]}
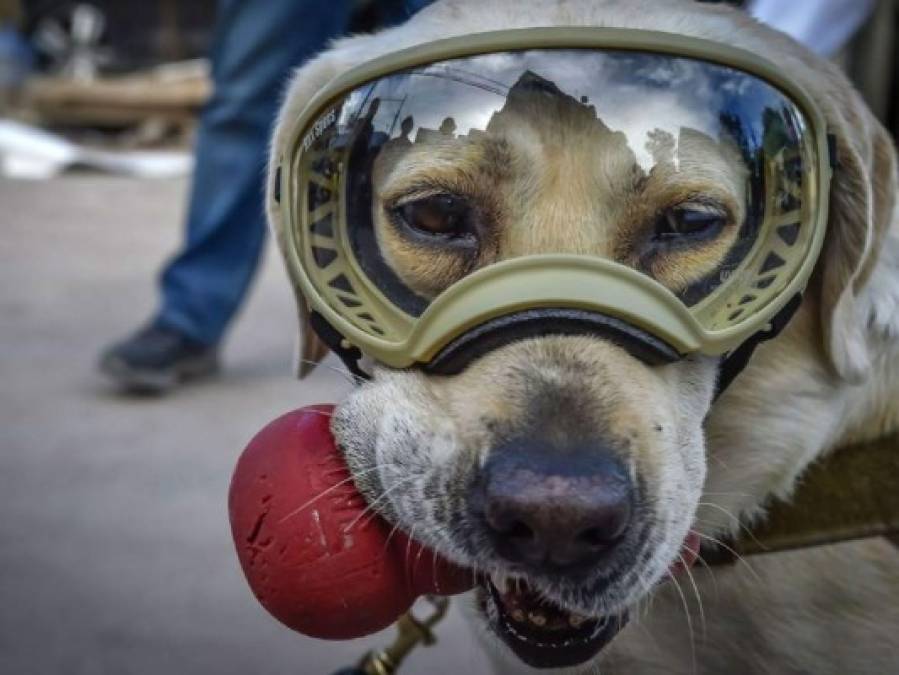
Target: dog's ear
{"type": "Point", "coordinates": [305, 83]}
{"type": "Point", "coordinates": [310, 350]}
{"type": "Point", "coordinates": [862, 200]}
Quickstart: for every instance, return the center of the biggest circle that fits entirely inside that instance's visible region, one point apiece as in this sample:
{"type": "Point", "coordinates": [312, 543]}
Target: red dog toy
{"type": "Point", "coordinates": [310, 556]}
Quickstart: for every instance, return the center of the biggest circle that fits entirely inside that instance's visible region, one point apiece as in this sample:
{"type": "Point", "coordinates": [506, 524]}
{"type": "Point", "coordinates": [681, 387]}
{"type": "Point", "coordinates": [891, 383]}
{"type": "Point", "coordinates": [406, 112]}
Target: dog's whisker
{"type": "Point", "coordinates": [370, 508]}
{"type": "Point", "coordinates": [697, 594]}
{"type": "Point", "coordinates": [320, 413]}
{"type": "Point", "coordinates": [409, 547]}
{"type": "Point", "coordinates": [392, 532]}
{"type": "Point", "coordinates": [730, 550]}
{"type": "Point", "coordinates": [350, 377]}
{"type": "Point", "coordinates": [739, 522]}
{"type": "Point", "coordinates": [331, 489]}
{"type": "Point", "coordinates": [710, 571]}
{"type": "Point", "coordinates": [688, 617]}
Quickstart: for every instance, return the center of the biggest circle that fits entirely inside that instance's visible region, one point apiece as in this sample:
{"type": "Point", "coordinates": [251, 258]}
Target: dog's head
{"type": "Point", "coordinates": [564, 468]}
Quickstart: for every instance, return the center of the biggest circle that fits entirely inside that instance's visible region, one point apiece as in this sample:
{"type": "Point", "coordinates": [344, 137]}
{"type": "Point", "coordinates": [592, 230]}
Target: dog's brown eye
{"type": "Point", "coordinates": [441, 215]}
{"type": "Point", "coordinates": [693, 221]}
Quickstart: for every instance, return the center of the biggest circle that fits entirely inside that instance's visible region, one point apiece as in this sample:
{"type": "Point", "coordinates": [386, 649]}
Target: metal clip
{"type": "Point", "coordinates": [410, 633]}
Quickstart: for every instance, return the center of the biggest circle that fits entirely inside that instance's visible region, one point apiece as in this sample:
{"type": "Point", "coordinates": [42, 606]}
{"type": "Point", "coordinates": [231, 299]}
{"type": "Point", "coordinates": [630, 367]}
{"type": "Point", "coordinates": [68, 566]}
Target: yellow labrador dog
{"type": "Point", "coordinates": [831, 377]}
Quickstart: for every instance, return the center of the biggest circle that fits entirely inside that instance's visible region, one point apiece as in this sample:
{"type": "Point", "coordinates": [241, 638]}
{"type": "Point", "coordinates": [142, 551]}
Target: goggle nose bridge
{"type": "Point", "coordinates": [464, 349]}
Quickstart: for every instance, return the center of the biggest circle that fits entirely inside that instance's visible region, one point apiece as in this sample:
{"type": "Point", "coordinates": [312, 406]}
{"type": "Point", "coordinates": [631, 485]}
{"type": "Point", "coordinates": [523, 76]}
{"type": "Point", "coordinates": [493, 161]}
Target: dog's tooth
{"type": "Point", "coordinates": [499, 581]}
{"type": "Point", "coordinates": [537, 619]}
{"type": "Point", "coordinates": [577, 620]}
{"type": "Point", "coordinates": [503, 582]}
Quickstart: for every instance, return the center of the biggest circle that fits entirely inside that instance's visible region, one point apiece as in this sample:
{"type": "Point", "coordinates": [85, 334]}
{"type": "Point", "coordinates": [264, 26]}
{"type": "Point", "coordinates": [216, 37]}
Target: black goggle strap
{"type": "Point", "coordinates": [338, 344]}
{"type": "Point", "coordinates": [466, 348]}
{"type": "Point", "coordinates": [733, 363]}
{"type": "Point", "coordinates": [469, 346]}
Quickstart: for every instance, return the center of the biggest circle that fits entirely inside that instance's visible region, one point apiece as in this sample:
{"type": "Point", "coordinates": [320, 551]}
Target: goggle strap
{"type": "Point", "coordinates": [833, 152]}
{"type": "Point", "coordinates": [731, 365]}
{"type": "Point", "coordinates": [338, 344]}
{"type": "Point", "coordinates": [734, 362]}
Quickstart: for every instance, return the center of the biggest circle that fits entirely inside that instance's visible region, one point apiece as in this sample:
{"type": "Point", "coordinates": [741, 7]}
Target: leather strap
{"type": "Point", "coordinates": [852, 493]}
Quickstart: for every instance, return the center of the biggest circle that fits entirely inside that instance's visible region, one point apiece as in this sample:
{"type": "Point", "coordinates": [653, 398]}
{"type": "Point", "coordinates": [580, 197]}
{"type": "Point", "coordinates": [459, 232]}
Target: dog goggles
{"type": "Point", "coordinates": [667, 192]}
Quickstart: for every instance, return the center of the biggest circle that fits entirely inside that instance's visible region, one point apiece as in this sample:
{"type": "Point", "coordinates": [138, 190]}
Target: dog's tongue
{"type": "Point", "coordinates": [312, 555]}
{"type": "Point", "coordinates": [689, 553]}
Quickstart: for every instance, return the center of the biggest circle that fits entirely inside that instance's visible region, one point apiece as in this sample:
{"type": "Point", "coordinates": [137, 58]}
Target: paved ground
{"type": "Point", "coordinates": [115, 553]}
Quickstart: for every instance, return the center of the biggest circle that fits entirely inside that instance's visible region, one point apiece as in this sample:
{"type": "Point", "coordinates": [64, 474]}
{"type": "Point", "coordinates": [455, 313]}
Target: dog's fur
{"type": "Point", "coordinates": [830, 378]}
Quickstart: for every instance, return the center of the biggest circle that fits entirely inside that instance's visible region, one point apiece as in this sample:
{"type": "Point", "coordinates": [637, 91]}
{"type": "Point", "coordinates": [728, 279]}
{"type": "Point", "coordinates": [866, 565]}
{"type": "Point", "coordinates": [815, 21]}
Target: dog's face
{"type": "Point", "coordinates": [562, 462]}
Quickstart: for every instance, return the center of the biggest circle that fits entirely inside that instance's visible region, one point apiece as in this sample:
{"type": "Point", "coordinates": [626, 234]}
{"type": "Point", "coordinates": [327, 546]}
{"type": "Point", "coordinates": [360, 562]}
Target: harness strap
{"type": "Point", "coordinates": [851, 494]}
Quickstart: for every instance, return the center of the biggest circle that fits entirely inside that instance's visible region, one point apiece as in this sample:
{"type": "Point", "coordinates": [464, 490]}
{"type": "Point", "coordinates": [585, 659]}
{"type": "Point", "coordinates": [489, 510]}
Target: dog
{"type": "Point", "coordinates": [710, 466]}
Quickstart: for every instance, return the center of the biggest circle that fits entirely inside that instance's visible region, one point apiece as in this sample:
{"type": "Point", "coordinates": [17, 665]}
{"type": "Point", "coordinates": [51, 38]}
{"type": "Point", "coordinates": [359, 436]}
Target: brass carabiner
{"type": "Point", "coordinates": [411, 632]}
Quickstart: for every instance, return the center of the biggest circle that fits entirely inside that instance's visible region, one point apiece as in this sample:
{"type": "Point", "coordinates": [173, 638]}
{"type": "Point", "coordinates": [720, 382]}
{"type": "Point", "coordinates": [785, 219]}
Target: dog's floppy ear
{"type": "Point", "coordinates": [862, 200]}
{"type": "Point", "coordinates": [305, 83]}
{"type": "Point", "coordinates": [310, 350]}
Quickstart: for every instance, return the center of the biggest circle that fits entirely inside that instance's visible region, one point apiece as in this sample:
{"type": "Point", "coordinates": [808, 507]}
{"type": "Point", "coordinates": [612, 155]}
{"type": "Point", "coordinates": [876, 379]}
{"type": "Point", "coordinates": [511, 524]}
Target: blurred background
{"type": "Point", "coordinates": [115, 550]}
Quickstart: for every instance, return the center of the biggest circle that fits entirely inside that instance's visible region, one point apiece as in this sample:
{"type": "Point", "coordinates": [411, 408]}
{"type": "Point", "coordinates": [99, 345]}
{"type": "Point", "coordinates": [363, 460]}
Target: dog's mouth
{"type": "Point", "coordinates": [541, 633]}
{"type": "Point", "coordinates": [544, 635]}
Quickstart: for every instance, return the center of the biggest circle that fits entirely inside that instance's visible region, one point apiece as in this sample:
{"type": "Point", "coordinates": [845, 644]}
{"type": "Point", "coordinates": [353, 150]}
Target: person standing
{"type": "Point", "coordinates": [255, 47]}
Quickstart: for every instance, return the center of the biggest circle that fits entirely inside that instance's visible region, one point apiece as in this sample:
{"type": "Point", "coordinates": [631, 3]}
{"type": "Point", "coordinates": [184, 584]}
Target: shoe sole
{"type": "Point", "coordinates": [141, 381]}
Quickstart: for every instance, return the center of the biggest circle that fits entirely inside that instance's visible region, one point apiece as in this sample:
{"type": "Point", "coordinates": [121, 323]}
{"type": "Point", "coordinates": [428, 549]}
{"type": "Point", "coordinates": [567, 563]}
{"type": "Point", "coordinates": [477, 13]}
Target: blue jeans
{"type": "Point", "coordinates": [255, 47]}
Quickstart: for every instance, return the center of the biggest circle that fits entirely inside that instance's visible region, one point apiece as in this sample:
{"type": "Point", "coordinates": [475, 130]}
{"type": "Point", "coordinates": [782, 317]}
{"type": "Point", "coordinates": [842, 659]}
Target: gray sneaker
{"type": "Point", "coordinates": [157, 358]}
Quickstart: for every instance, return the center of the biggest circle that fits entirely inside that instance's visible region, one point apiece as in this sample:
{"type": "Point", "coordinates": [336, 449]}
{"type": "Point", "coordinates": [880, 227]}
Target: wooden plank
{"type": "Point", "coordinates": [124, 92]}
{"type": "Point", "coordinates": [116, 101]}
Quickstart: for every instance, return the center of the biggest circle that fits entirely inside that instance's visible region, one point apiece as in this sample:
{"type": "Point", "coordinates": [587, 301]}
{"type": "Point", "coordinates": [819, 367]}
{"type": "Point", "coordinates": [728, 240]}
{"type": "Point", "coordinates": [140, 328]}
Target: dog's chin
{"type": "Point", "coordinates": [542, 633]}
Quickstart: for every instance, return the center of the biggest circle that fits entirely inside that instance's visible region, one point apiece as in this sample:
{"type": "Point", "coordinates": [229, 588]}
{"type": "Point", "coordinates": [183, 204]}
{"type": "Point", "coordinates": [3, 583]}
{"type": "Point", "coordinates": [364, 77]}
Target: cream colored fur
{"type": "Point", "coordinates": [831, 377]}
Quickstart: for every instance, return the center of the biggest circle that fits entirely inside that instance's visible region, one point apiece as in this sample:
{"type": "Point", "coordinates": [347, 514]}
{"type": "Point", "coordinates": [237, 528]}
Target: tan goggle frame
{"type": "Point", "coordinates": [769, 276]}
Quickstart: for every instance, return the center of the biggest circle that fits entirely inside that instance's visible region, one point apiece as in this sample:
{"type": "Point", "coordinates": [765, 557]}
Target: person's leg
{"type": "Point", "coordinates": [256, 45]}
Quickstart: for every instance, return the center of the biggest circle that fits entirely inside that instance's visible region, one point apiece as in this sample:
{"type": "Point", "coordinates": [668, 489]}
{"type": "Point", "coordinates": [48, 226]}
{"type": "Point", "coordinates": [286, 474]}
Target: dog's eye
{"type": "Point", "coordinates": [440, 215]}
{"type": "Point", "coordinates": [691, 220]}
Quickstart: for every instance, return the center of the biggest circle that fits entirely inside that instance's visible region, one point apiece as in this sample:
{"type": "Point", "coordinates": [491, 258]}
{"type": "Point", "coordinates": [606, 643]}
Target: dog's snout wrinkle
{"type": "Point", "coordinates": [554, 511]}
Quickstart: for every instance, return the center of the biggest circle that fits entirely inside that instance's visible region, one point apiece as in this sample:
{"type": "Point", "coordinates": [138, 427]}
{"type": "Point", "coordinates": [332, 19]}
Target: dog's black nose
{"type": "Point", "coordinates": [551, 510]}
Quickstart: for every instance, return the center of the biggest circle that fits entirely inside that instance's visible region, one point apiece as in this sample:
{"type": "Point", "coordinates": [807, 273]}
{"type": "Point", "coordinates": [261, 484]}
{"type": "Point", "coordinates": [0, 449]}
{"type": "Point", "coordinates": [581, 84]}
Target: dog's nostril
{"type": "Point", "coordinates": [609, 532]}
{"type": "Point", "coordinates": [519, 530]}
{"type": "Point", "coordinates": [555, 511]}
{"type": "Point", "coordinates": [594, 537]}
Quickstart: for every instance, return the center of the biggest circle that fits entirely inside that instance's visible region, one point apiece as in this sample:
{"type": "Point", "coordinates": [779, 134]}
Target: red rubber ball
{"type": "Point", "coordinates": [310, 559]}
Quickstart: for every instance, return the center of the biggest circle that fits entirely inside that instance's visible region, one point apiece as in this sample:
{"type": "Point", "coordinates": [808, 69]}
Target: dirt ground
{"type": "Point", "coordinates": [115, 550]}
